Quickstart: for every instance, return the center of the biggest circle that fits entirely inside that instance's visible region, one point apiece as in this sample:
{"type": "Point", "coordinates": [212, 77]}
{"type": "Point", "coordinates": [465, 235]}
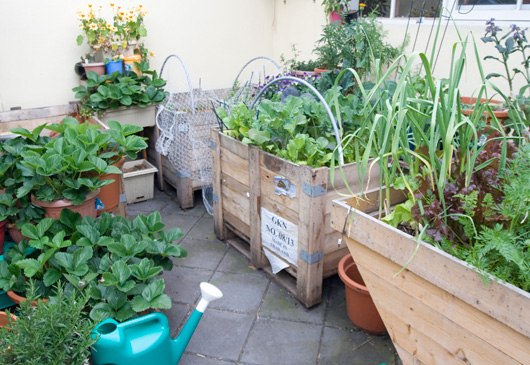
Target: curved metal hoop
{"type": "Point", "coordinates": [319, 96]}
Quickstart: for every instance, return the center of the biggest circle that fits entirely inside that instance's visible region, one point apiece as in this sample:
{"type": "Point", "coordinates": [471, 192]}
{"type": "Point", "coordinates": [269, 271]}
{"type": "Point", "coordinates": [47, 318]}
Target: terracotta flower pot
{"type": "Point", "coordinates": [53, 209]}
{"type": "Point", "coordinates": [19, 299]}
{"type": "Point", "coordinates": [359, 304]}
{"type": "Point", "coordinates": [97, 67]}
{"type": "Point", "coordinates": [320, 70]}
{"type": "Point", "coordinates": [501, 115]}
{"type": "Point", "coordinates": [110, 194]}
{"type": "Point", "coordinates": [15, 233]}
{"type": "Point", "coordinates": [4, 318]}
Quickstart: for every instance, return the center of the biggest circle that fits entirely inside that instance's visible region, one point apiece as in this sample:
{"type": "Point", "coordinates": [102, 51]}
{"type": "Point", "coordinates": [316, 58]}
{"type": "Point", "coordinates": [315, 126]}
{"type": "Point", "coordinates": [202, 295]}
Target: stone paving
{"type": "Point", "coordinates": [256, 321]}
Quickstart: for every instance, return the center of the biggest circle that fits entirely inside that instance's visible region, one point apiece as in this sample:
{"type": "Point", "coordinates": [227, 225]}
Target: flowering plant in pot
{"type": "Point", "coordinates": [117, 36]}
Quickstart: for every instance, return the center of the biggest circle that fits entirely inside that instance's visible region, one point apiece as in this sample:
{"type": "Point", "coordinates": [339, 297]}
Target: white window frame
{"type": "Point", "coordinates": [518, 12]}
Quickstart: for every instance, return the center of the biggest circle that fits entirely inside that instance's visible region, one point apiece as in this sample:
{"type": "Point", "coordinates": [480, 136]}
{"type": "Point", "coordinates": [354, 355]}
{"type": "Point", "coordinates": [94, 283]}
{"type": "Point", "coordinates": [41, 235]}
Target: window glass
{"type": "Point", "coordinates": [404, 8]}
{"type": "Point", "coordinates": [487, 2]}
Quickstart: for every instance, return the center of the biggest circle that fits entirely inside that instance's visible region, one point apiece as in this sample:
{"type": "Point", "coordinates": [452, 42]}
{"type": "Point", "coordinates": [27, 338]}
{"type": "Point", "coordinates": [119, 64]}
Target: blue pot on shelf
{"type": "Point", "coordinates": [113, 66]}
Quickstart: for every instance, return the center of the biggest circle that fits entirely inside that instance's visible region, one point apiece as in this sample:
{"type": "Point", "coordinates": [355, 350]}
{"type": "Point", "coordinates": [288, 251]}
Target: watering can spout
{"type": "Point", "coordinates": [209, 293]}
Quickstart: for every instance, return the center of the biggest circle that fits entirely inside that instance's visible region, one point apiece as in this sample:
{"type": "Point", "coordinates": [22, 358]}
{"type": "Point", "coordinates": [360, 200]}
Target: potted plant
{"type": "Point", "coordinates": [334, 9]}
{"type": "Point", "coordinates": [113, 261]}
{"type": "Point", "coordinates": [57, 330]}
{"type": "Point", "coordinates": [17, 210]}
{"type": "Point", "coordinates": [112, 39]}
{"type": "Point", "coordinates": [112, 146]}
{"type": "Point", "coordinates": [459, 199]}
{"type": "Point", "coordinates": [128, 98]}
{"type": "Point", "coordinates": [354, 45]}
{"type": "Point", "coordinates": [55, 171]}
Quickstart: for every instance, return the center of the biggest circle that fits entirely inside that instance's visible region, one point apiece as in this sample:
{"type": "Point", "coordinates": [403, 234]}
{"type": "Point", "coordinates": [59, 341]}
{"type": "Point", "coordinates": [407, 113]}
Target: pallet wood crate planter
{"type": "Point", "coordinates": [254, 189]}
{"type": "Point", "coordinates": [32, 118]}
{"type": "Point", "coordinates": [138, 180]}
{"type": "Point", "coordinates": [437, 310]}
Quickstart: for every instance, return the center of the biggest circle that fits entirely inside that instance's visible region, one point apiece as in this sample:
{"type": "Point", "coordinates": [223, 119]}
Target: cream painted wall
{"type": "Point", "coordinates": [214, 38]}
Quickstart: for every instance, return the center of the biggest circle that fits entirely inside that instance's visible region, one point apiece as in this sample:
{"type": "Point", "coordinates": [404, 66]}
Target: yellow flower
{"type": "Point", "coordinates": [90, 6]}
{"type": "Point", "coordinates": [151, 54]}
{"type": "Point", "coordinates": [361, 5]}
{"type": "Point", "coordinates": [83, 16]}
{"type": "Point", "coordinates": [93, 26]}
{"type": "Point", "coordinates": [121, 13]}
{"type": "Point", "coordinates": [114, 29]}
{"type": "Point", "coordinates": [112, 5]}
{"type": "Point", "coordinates": [109, 27]}
{"type": "Point", "coordinates": [144, 13]}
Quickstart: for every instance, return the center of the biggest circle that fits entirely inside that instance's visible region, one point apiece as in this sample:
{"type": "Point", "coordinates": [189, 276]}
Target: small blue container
{"type": "Point", "coordinates": [113, 66]}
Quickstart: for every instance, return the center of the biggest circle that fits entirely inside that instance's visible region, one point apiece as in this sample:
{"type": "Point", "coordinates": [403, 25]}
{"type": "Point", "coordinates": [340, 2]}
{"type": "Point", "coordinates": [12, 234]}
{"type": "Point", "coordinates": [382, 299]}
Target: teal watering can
{"type": "Point", "coordinates": [146, 340]}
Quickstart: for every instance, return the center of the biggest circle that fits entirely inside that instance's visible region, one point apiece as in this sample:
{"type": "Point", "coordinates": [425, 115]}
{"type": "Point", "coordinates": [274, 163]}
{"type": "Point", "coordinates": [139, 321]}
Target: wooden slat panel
{"type": "Point", "coordinates": [501, 301]}
{"type": "Point", "coordinates": [469, 329]}
{"type": "Point", "coordinates": [231, 144]}
{"type": "Point", "coordinates": [268, 186]}
{"type": "Point", "coordinates": [418, 345]}
{"type": "Point", "coordinates": [239, 227]}
{"type": "Point", "coordinates": [37, 114]}
{"type": "Point", "coordinates": [238, 202]}
{"type": "Point", "coordinates": [234, 166]}
{"type": "Point", "coordinates": [457, 327]}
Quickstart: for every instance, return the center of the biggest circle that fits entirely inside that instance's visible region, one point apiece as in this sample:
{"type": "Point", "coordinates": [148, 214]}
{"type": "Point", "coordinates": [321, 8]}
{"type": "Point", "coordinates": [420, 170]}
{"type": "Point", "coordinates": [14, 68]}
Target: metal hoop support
{"type": "Point", "coordinates": [187, 78]}
{"type": "Point", "coordinates": [319, 96]}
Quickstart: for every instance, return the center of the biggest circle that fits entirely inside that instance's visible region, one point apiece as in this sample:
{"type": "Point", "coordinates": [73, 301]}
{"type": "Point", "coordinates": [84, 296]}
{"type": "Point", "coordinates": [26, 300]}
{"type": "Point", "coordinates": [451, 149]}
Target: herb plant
{"type": "Point", "coordinates": [56, 332]}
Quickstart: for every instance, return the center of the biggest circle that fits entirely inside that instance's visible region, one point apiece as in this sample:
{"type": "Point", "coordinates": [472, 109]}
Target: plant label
{"type": "Point", "coordinates": [280, 236]}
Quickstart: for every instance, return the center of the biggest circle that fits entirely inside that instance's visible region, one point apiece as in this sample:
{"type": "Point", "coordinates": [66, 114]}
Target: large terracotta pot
{"type": "Point", "coordinates": [53, 209]}
{"type": "Point", "coordinates": [320, 70]}
{"type": "Point", "coordinates": [19, 299]}
{"type": "Point", "coordinates": [110, 194]}
{"type": "Point", "coordinates": [359, 304]}
{"type": "Point", "coordinates": [4, 318]}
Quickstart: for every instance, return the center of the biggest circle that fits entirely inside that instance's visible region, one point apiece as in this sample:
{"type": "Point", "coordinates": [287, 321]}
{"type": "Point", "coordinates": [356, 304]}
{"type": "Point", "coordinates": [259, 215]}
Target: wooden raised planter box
{"type": "Point", "coordinates": [250, 188]}
{"type": "Point", "coordinates": [437, 310]}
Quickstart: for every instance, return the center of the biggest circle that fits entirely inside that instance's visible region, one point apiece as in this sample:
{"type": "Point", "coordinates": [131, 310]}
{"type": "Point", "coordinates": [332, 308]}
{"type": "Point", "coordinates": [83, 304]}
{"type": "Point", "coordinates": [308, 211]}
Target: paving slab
{"type": "Point", "coordinates": [279, 304]}
{"type": "Point", "coordinates": [221, 334]}
{"type": "Point", "coordinates": [176, 316]}
{"type": "Point", "coordinates": [203, 229]}
{"type": "Point", "coordinates": [198, 359]}
{"type": "Point", "coordinates": [234, 262]}
{"type": "Point", "coordinates": [241, 293]}
{"type": "Point", "coordinates": [276, 342]}
{"type": "Point", "coordinates": [202, 254]}
{"type": "Point", "coordinates": [182, 283]}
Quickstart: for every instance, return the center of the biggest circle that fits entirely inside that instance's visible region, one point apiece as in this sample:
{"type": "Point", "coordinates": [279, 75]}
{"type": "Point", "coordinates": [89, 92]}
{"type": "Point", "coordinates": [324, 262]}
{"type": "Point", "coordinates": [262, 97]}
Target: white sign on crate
{"type": "Point", "coordinates": [279, 235]}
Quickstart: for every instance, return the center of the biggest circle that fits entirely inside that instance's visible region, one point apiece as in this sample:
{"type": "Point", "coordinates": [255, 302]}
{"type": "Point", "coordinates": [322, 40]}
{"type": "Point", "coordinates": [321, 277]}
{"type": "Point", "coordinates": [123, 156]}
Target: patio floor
{"type": "Point", "coordinates": [256, 321]}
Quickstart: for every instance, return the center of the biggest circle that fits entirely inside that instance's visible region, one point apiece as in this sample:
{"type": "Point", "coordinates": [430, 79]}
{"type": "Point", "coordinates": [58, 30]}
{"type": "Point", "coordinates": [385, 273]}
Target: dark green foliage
{"type": "Point", "coordinates": [116, 90]}
{"type": "Point", "coordinates": [57, 332]}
